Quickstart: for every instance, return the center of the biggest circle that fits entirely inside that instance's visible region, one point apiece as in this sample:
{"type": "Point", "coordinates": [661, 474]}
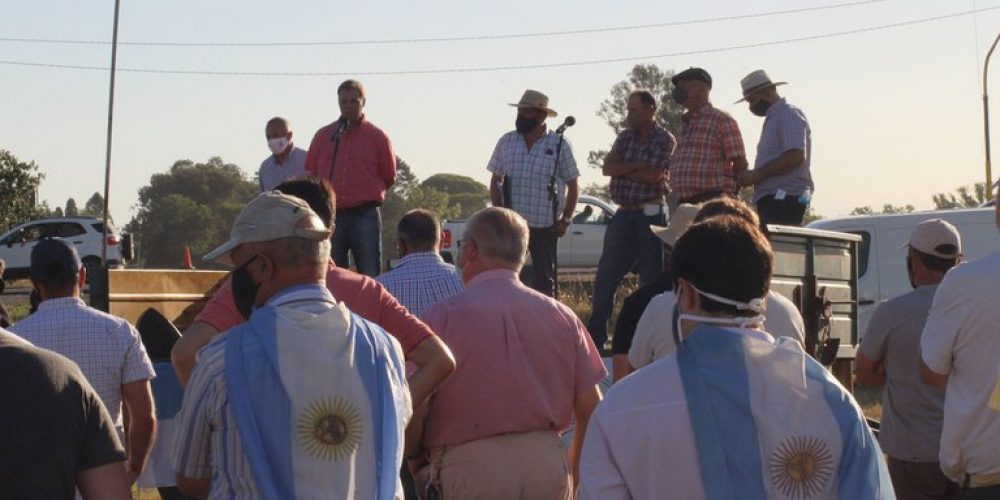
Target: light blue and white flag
{"type": "Point", "coordinates": [770, 422]}
{"type": "Point", "coordinates": [320, 401]}
{"type": "Point", "coordinates": [167, 394]}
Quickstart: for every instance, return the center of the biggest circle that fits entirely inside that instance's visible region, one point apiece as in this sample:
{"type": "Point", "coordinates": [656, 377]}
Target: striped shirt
{"type": "Point", "coordinates": [420, 280]}
{"type": "Point", "coordinates": [529, 172]}
{"type": "Point", "coordinates": [106, 348]}
{"type": "Point", "coordinates": [655, 152]}
{"type": "Point", "coordinates": [708, 141]}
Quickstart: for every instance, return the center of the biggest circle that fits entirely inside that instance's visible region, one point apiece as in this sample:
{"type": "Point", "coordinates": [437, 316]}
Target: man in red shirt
{"type": "Point", "coordinates": [357, 158]}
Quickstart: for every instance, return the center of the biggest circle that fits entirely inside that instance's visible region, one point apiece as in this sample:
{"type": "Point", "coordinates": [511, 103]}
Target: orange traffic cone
{"type": "Point", "coordinates": [187, 258]}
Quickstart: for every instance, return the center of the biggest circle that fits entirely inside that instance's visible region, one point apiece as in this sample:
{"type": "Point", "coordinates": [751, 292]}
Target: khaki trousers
{"type": "Point", "coordinates": [528, 466]}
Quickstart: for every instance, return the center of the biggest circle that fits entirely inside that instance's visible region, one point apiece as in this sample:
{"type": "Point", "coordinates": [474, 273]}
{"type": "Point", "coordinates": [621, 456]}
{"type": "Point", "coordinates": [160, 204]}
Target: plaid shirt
{"type": "Point", "coordinates": [106, 348]}
{"type": "Point", "coordinates": [420, 280]}
{"type": "Point", "coordinates": [707, 142]}
{"type": "Point", "coordinates": [529, 171]}
{"type": "Point", "coordinates": [655, 152]}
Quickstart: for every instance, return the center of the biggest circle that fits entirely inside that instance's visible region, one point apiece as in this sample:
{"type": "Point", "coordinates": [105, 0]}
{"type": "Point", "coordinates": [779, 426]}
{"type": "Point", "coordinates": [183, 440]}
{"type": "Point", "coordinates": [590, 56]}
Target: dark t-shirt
{"type": "Point", "coordinates": [52, 423]}
{"type": "Point", "coordinates": [632, 309]}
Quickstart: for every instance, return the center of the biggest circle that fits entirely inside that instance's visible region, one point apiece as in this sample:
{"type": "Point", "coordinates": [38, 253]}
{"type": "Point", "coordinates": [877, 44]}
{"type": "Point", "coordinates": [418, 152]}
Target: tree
{"type": "Point", "coordinates": [602, 191]}
{"type": "Point", "coordinates": [191, 204]}
{"type": "Point", "coordinates": [71, 209]}
{"type": "Point", "coordinates": [613, 109]}
{"type": "Point", "coordinates": [965, 199]}
{"type": "Point", "coordinates": [408, 194]}
{"type": "Point", "coordinates": [19, 183]}
{"type": "Point", "coordinates": [467, 193]}
{"type": "Point", "coordinates": [95, 206]}
{"type": "Point", "coordinates": [886, 209]}
{"type": "Point", "coordinates": [58, 212]}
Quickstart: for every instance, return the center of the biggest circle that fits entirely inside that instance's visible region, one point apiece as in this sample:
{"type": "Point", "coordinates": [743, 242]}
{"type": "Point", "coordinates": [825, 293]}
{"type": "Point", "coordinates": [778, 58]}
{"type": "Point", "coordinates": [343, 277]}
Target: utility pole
{"type": "Point", "coordinates": [986, 121]}
{"type": "Point", "coordinates": [107, 153]}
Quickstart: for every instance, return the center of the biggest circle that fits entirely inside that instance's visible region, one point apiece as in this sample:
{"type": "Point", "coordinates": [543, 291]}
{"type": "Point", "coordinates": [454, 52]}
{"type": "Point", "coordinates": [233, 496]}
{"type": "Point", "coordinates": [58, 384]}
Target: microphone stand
{"type": "Point", "coordinates": [554, 196]}
{"type": "Point", "coordinates": [336, 146]}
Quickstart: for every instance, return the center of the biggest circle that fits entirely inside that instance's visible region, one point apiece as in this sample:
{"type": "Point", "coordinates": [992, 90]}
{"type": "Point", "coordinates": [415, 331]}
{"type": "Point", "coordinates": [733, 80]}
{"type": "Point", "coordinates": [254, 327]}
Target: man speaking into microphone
{"type": "Point", "coordinates": [358, 160]}
{"type": "Point", "coordinates": [541, 176]}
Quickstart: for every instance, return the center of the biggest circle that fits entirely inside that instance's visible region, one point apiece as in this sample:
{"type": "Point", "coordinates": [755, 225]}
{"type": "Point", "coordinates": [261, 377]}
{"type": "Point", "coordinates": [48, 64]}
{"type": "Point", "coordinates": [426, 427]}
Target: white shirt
{"type": "Point", "coordinates": [962, 339]}
{"type": "Point", "coordinates": [271, 173]}
{"type": "Point", "coordinates": [654, 334]}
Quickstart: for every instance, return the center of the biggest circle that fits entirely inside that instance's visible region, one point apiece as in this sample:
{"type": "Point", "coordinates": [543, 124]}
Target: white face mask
{"type": "Point", "coordinates": [756, 305]}
{"type": "Point", "coordinates": [277, 145]}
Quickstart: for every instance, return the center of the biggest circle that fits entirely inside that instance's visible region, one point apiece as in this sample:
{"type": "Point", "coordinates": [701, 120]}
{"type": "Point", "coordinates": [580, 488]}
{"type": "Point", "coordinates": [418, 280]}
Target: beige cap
{"type": "Point", "coordinates": [680, 221]}
{"type": "Point", "coordinates": [938, 238]}
{"type": "Point", "coordinates": [271, 215]}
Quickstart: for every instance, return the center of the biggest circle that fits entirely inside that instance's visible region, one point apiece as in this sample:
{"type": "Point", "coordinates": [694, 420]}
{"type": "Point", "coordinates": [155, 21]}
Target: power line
{"type": "Point", "coordinates": [483, 69]}
{"type": "Point", "coordinates": [398, 41]}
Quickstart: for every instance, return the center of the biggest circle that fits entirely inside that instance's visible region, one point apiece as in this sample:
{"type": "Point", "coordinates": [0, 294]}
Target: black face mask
{"type": "Point", "coordinates": [679, 95]}
{"type": "Point", "coordinates": [760, 107]}
{"type": "Point", "coordinates": [525, 125]}
{"type": "Point", "coordinates": [244, 289]}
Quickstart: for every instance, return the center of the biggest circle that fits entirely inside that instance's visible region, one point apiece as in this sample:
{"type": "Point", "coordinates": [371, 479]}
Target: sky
{"type": "Point", "coordinates": [896, 113]}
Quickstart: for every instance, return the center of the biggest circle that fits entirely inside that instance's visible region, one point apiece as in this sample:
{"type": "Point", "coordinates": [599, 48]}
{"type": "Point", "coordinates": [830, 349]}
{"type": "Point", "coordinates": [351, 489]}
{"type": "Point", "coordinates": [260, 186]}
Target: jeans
{"type": "Point", "coordinates": [789, 211]}
{"type": "Point", "coordinates": [359, 234]}
{"type": "Point", "coordinates": [542, 243]}
{"type": "Point", "coordinates": [627, 242]}
{"type": "Point", "coordinates": [983, 493]}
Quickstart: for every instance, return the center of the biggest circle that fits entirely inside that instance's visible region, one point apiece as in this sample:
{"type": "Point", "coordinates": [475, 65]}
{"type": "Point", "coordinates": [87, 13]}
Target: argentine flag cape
{"type": "Point", "coordinates": [770, 422]}
{"type": "Point", "coordinates": [320, 402]}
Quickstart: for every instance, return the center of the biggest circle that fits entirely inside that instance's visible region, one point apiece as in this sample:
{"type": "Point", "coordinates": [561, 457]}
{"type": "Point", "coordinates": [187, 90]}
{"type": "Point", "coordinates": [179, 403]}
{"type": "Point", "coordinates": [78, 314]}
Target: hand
{"type": "Point", "coordinates": [747, 178]}
{"type": "Point", "coordinates": [561, 226]}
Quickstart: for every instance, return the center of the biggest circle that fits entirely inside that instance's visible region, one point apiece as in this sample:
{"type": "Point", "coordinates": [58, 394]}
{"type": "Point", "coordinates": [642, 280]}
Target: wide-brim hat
{"type": "Point", "coordinates": [270, 216]}
{"type": "Point", "coordinates": [757, 80]}
{"type": "Point", "coordinates": [680, 220]}
{"type": "Point", "coordinates": [537, 100]}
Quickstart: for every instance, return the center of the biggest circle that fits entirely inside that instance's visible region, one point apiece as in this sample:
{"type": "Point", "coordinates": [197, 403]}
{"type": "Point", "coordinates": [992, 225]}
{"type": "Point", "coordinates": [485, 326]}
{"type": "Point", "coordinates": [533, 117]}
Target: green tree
{"type": "Point", "coordinates": [467, 193]}
{"type": "Point", "coordinates": [613, 109]}
{"type": "Point", "coordinates": [57, 212]}
{"type": "Point", "coordinates": [191, 204]}
{"type": "Point", "coordinates": [94, 206]}
{"type": "Point", "coordinates": [888, 208]}
{"type": "Point", "coordinates": [408, 195]}
{"type": "Point", "coordinates": [961, 198]}
{"type": "Point", "coordinates": [597, 190]}
{"type": "Point", "coordinates": [19, 183]}
{"type": "Point", "coordinates": [71, 208]}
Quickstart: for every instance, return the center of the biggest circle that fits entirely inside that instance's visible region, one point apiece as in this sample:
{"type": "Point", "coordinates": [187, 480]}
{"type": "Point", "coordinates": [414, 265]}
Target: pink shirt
{"type": "Point", "coordinates": [362, 295]}
{"type": "Point", "coordinates": [521, 360]}
{"type": "Point", "coordinates": [366, 164]}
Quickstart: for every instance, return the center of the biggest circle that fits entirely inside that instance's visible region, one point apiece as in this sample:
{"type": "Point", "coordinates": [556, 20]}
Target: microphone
{"type": "Point", "coordinates": [342, 125]}
{"type": "Point", "coordinates": [567, 123]}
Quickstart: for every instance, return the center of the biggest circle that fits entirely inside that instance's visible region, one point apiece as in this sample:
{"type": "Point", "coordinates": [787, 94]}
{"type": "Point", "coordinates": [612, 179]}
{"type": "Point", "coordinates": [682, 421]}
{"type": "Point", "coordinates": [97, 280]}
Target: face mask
{"type": "Point", "coordinates": [525, 125]}
{"type": "Point", "coordinates": [277, 145]}
{"type": "Point", "coordinates": [760, 107]}
{"type": "Point", "coordinates": [679, 95]}
{"type": "Point", "coordinates": [909, 271]}
{"type": "Point", "coordinates": [756, 305]}
{"type": "Point", "coordinates": [244, 289]}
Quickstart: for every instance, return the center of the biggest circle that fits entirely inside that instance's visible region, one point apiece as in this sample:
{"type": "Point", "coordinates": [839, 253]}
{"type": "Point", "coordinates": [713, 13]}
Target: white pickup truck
{"type": "Point", "coordinates": [580, 248]}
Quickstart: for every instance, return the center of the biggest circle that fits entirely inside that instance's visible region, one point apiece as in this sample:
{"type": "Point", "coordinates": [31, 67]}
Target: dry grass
{"type": "Point", "coordinates": [578, 291]}
{"type": "Point", "coordinates": [145, 493]}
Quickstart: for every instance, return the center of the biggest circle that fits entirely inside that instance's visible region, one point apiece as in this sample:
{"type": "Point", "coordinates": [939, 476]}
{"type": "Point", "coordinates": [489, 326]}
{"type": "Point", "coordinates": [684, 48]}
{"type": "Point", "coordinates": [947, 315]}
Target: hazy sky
{"type": "Point", "coordinates": [896, 113]}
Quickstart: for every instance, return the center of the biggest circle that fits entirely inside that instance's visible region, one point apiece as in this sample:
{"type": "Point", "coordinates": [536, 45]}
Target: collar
{"type": "Point", "coordinates": [297, 293]}
{"type": "Point", "coordinates": [687, 116]}
{"type": "Point", "coordinates": [61, 303]}
{"type": "Point", "coordinates": [426, 255]}
{"type": "Point", "coordinates": [499, 274]}
{"type": "Point", "coordinates": [771, 109]}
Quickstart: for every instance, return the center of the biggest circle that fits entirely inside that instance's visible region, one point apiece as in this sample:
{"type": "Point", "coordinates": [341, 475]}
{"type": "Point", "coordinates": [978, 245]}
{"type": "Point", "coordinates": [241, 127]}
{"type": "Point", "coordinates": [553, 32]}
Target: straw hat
{"type": "Point", "coordinates": [537, 100]}
{"type": "Point", "coordinates": [758, 80]}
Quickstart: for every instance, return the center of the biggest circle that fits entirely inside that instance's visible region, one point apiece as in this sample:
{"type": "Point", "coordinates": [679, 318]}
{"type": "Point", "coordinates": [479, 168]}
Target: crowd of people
{"type": "Point", "coordinates": [301, 378]}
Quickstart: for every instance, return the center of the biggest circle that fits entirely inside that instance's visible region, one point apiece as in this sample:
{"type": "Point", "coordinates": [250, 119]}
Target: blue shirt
{"type": "Point", "coordinates": [420, 280]}
{"type": "Point", "coordinates": [785, 129]}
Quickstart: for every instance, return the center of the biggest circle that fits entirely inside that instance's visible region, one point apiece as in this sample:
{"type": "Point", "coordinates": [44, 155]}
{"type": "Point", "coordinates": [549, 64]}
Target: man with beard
{"type": "Point", "coordinates": [537, 168]}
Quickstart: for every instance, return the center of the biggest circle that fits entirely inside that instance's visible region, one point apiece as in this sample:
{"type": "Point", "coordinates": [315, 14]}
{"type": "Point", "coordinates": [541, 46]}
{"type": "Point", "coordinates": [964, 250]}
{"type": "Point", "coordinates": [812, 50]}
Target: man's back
{"type": "Point", "coordinates": [107, 349]}
{"type": "Point", "coordinates": [52, 425]}
{"type": "Point", "coordinates": [421, 280]}
{"type": "Point", "coordinates": [521, 360]}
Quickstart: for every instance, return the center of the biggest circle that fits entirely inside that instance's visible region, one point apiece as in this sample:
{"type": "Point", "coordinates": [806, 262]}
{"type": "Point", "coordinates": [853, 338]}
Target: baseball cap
{"type": "Point", "coordinates": [938, 238]}
{"type": "Point", "coordinates": [271, 215]}
{"type": "Point", "coordinates": [692, 74]}
{"type": "Point", "coordinates": [680, 220]}
{"type": "Point", "coordinates": [54, 260]}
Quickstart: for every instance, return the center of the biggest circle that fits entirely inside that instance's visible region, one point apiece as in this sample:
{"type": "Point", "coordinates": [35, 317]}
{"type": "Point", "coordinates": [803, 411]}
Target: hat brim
{"type": "Point", "coordinates": [548, 112]}
{"type": "Point", "coordinates": [221, 254]}
{"type": "Point", "coordinates": [759, 87]}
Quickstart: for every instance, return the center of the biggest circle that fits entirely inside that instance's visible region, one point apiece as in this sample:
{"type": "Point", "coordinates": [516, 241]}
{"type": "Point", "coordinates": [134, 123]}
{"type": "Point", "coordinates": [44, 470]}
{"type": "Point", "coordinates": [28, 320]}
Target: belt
{"type": "Point", "coordinates": [639, 206]}
{"type": "Point", "coordinates": [981, 480]}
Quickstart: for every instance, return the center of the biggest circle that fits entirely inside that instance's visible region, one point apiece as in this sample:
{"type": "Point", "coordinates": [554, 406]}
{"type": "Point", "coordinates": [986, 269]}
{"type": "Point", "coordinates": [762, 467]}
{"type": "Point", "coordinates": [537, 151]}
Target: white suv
{"type": "Point", "coordinates": [85, 233]}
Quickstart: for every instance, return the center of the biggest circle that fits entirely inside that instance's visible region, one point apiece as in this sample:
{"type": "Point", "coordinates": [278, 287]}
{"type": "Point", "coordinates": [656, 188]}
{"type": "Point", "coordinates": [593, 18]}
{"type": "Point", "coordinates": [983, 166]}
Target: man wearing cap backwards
{"type": "Point", "coordinates": [358, 160]}
{"type": "Point", "coordinates": [709, 153]}
{"type": "Point", "coordinates": [734, 413]}
{"type": "Point", "coordinates": [654, 334]}
{"type": "Point", "coordinates": [307, 399]}
{"type": "Point", "coordinates": [780, 177]}
{"type": "Point", "coordinates": [286, 160]}
{"type": "Point", "coordinates": [525, 160]}
{"type": "Point", "coordinates": [107, 349]}
{"type": "Point", "coordinates": [638, 165]}
{"type": "Point", "coordinates": [960, 351]}
{"type": "Point", "coordinates": [912, 411]}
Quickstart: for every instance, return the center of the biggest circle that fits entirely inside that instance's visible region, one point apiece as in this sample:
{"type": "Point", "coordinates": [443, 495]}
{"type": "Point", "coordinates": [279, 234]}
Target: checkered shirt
{"type": "Point", "coordinates": [655, 152]}
{"type": "Point", "coordinates": [420, 280]}
{"type": "Point", "coordinates": [106, 348]}
{"type": "Point", "coordinates": [529, 172]}
{"type": "Point", "coordinates": [707, 142]}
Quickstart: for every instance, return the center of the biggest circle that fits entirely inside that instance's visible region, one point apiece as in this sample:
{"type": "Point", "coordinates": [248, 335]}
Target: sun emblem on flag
{"type": "Point", "coordinates": [801, 466]}
{"type": "Point", "coordinates": [329, 429]}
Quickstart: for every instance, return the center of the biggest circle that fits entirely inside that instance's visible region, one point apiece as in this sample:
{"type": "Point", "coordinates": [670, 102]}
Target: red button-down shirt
{"type": "Point", "coordinates": [365, 166]}
{"type": "Point", "coordinates": [708, 141]}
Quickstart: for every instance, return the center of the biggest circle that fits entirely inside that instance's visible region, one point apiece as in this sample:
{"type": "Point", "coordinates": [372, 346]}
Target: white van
{"type": "Point", "coordinates": [882, 252]}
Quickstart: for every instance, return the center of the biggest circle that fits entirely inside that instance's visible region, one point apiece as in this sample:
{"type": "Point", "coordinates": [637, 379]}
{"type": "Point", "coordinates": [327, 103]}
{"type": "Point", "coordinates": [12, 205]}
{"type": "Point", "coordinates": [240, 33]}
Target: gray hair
{"type": "Point", "coordinates": [500, 235]}
{"type": "Point", "coordinates": [298, 252]}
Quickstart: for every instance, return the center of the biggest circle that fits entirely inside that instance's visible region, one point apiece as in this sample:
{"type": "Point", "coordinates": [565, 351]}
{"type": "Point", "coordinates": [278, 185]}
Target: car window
{"type": "Point", "coordinates": [864, 250]}
{"type": "Point", "coordinates": [587, 213]}
{"type": "Point", "coordinates": [33, 232]}
{"type": "Point", "coordinates": [67, 229]}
